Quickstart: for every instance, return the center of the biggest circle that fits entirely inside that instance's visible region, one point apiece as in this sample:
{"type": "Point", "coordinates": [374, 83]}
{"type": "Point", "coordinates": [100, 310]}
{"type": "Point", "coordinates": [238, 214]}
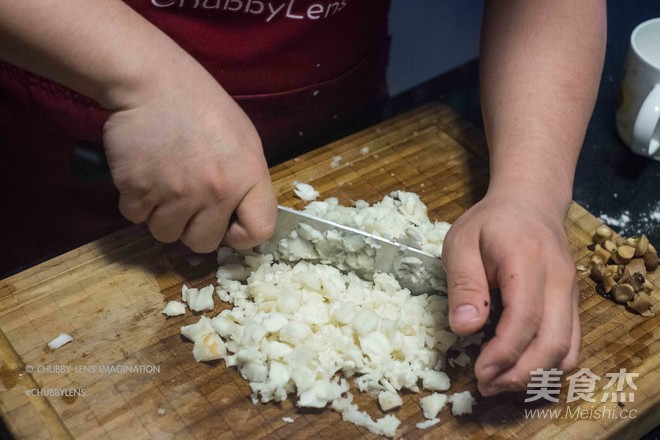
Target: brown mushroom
{"type": "Point", "coordinates": [642, 304]}
{"type": "Point", "coordinates": [619, 240]}
{"type": "Point", "coordinates": [608, 283]}
{"type": "Point", "coordinates": [617, 270]}
{"type": "Point", "coordinates": [623, 293]}
{"type": "Point", "coordinates": [637, 281]}
{"type": "Point", "coordinates": [602, 233]}
{"type": "Point", "coordinates": [648, 287]}
{"type": "Point", "coordinates": [598, 272]}
{"type": "Point", "coordinates": [609, 246]}
{"type": "Point", "coordinates": [602, 253]}
{"type": "Point", "coordinates": [637, 265]}
{"type": "Point", "coordinates": [641, 246]}
{"type": "Point", "coordinates": [623, 254]}
{"type": "Point", "coordinates": [650, 260]}
{"type": "Point", "coordinates": [625, 276]}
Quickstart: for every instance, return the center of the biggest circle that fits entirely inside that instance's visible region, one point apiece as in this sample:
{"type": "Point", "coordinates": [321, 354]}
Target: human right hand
{"type": "Point", "coordinates": [184, 158]}
{"type": "Point", "coordinates": [182, 154]}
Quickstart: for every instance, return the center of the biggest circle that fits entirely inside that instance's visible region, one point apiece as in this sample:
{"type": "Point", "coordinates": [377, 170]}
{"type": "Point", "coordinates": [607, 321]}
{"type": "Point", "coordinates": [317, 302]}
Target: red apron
{"type": "Point", "coordinates": [296, 68]}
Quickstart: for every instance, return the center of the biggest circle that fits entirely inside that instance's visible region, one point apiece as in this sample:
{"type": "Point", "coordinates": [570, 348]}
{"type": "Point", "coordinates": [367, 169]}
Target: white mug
{"type": "Point", "coordinates": [639, 112]}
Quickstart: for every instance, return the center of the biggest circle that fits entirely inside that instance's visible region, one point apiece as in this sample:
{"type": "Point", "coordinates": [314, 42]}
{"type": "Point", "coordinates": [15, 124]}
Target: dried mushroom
{"type": "Point", "coordinates": [642, 304]}
{"type": "Point", "coordinates": [623, 293]}
{"type": "Point", "coordinates": [620, 265]}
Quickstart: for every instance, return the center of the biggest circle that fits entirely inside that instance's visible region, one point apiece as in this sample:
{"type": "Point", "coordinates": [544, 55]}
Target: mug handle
{"type": "Point", "coordinates": [646, 133]}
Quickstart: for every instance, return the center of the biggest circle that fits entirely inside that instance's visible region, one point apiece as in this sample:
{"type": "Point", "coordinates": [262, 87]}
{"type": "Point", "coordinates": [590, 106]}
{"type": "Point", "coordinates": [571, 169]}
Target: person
{"type": "Point", "coordinates": [168, 85]}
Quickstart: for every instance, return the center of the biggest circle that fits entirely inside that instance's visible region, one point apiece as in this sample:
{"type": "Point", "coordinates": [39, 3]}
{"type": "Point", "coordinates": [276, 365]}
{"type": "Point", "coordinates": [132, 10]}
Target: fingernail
{"type": "Point", "coordinates": [464, 314]}
{"type": "Point", "coordinates": [489, 372]}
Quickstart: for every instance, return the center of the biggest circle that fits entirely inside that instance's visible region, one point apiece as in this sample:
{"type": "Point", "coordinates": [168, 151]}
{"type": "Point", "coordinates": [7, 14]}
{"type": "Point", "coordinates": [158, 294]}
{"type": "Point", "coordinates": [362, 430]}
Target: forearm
{"type": "Point", "coordinates": [540, 64]}
{"type": "Point", "coordinates": [101, 49]}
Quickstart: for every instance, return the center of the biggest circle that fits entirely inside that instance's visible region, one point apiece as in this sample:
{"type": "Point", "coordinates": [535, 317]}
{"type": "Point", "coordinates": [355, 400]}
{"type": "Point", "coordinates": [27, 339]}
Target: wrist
{"type": "Point", "coordinates": [549, 197]}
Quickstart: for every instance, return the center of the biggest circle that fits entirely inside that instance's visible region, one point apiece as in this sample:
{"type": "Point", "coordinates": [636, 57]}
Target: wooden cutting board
{"type": "Point", "coordinates": [109, 295]}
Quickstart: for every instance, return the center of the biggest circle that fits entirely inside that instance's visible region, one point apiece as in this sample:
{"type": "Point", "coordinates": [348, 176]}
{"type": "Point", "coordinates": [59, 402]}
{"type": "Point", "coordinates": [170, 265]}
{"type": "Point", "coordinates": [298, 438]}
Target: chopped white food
{"type": "Point", "coordinates": [305, 191]}
{"type": "Point", "coordinates": [400, 216]}
{"type": "Point", "coordinates": [201, 328]}
{"type": "Point", "coordinates": [59, 341]}
{"type": "Point", "coordinates": [235, 272]}
{"type": "Point", "coordinates": [427, 423]}
{"type": "Point", "coordinates": [389, 400]}
{"type": "Point", "coordinates": [435, 380]}
{"type": "Point", "coordinates": [461, 403]}
{"type": "Point", "coordinates": [432, 404]}
{"type": "Point", "coordinates": [385, 426]}
{"type": "Point", "coordinates": [198, 299]}
{"type": "Point", "coordinates": [209, 347]}
{"type": "Point", "coordinates": [336, 160]}
{"type": "Point", "coordinates": [364, 151]}
{"type": "Point", "coordinates": [161, 411]}
{"type": "Point", "coordinates": [287, 420]}
{"type": "Point", "coordinates": [304, 327]}
{"type": "Point", "coordinates": [174, 308]}
{"type": "Point", "coordinates": [461, 360]}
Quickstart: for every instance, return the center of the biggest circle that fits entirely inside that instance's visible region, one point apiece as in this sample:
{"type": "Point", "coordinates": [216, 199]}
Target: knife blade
{"type": "Point", "coordinates": [299, 235]}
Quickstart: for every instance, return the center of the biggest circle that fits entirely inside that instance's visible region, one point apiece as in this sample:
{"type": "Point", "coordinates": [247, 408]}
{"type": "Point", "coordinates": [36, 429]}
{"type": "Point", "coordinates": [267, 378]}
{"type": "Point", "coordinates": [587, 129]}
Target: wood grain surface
{"type": "Point", "coordinates": [109, 295]}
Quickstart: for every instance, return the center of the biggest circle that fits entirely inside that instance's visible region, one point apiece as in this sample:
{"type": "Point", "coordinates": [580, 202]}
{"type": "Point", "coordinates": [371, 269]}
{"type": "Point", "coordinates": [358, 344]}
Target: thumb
{"type": "Point", "coordinates": [255, 218]}
{"type": "Point", "coordinates": [469, 297]}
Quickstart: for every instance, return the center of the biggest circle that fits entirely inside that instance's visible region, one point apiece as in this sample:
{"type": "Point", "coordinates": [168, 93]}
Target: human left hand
{"type": "Point", "coordinates": [519, 246]}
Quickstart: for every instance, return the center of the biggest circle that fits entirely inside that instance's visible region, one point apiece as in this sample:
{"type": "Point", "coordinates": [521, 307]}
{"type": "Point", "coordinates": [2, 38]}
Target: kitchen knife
{"type": "Point", "coordinates": [362, 252]}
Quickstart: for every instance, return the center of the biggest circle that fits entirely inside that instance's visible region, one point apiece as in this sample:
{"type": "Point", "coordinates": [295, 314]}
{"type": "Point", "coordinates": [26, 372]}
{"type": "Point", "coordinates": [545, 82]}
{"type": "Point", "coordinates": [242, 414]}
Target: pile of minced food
{"type": "Point", "coordinates": [307, 328]}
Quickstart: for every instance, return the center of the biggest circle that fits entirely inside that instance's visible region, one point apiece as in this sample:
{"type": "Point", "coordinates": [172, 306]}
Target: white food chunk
{"type": "Point", "coordinates": [60, 340]}
{"type": "Point", "coordinates": [235, 272]}
{"type": "Point", "coordinates": [174, 308]}
{"type": "Point", "coordinates": [364, 151]}
{"type": "Point", "coordinates": [208, 348]}
{"type": "Point", "coordinates": [385, 426]}
{"type": "Point", "coordinates": [427, 423]}
{"type": "Point", "coordinates": [376, 346]}
{"type": "Point", "coordinates": [433, 404]}
{"type": "Point", "coordinates": [201, 328]}
{"type": "Point", "coordinates": [201, 299]}
{"type": "Point", "coordinates": [305, 191]}
{"type": "Point", "coordinates": [435, 380]}
{"type": "Point", "coordinates": [389, 400]}
{"type": "Point", "coordinates": [223, 325]}
{"type": "Point", "coordinates": [336, 160]}
{"type": "Point", "coordinates": [365, 321]}
{"type": "Point", "coordinates": [295, 332]}
{"type": "Point", "coordinates": [287, 420]}
{"type": "Point", "coordinates": [461, 403]}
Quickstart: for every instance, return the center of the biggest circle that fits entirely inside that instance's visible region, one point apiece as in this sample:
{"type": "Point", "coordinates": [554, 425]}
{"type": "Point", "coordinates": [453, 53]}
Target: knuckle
{"type": "Point", "coordinates": [509, 355]}
{"type": "Point", "coordinates": [163, 237]}
{"type": "Point", "coordinates": [517, 383]}
{"type": "Point", "coordinates": [558, 348]}
{"type": "Point", "coordinates": [263, 230]}
{"type": "Point", "coordinates": [530, 316]}
{"type": "Point", "coordinates": [463, 284]}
